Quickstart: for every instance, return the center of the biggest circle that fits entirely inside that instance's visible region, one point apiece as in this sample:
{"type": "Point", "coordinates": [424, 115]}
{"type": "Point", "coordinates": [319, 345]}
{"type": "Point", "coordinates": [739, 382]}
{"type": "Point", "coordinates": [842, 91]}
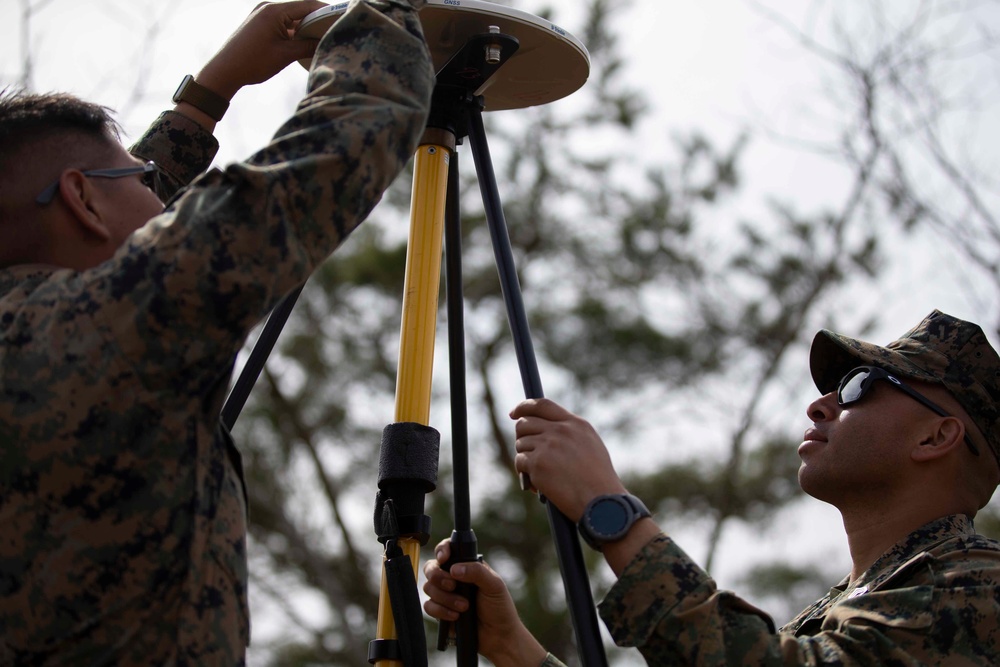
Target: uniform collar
{"type": "Point", "coordinates": [896, 561]}
{"type": "Point", "coordinates": [919, 541]}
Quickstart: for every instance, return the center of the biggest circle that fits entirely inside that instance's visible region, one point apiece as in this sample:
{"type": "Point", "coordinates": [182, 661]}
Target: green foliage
{"type": "Point", "coordinates": [633, 289]}
{"type": "Point", "coordinates": [697, 487]}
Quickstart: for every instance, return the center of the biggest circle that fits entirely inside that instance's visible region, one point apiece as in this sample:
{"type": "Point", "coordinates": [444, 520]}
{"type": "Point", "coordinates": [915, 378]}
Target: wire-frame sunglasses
{"type": "Point", "coordinates": [150, 178]}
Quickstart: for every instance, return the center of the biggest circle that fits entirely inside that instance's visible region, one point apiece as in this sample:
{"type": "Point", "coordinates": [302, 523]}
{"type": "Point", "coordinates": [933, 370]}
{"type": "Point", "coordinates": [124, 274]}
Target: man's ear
{"type": "Point", "coordinates": [81, 198]}
{"type": "Point", "coordinates": [943, 435]}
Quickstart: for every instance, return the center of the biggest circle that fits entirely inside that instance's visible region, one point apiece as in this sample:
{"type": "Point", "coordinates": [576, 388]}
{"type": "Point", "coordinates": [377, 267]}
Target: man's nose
{"type": "Point", "coordinates": [823, 408]}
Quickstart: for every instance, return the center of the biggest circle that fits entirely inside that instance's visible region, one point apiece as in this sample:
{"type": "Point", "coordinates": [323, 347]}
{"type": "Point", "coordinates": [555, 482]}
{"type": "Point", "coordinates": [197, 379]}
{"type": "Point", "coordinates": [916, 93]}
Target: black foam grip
{"type": "Point", "coordinates": [409, 452]}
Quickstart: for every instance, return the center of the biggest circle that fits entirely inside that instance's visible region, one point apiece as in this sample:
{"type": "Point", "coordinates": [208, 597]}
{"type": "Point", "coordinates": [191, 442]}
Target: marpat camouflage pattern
{"type": "Point", "coordinates": [933, 599]}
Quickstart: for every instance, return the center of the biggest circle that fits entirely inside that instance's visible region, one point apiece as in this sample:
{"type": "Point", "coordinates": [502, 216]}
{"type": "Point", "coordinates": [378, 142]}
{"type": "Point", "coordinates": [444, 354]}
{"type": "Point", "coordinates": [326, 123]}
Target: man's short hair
{"type": "Point", "coordinates": [30, 118]}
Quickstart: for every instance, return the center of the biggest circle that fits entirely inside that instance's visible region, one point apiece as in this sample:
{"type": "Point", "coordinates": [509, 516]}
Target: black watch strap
{"type": "Point", "coordinates": [201, 98]}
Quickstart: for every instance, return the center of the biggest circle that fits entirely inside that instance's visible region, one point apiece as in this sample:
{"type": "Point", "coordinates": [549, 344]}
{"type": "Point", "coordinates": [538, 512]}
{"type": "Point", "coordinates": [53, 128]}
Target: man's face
{"type": "Point", "coordinates": [859, 453]}
{"type": "Point", "coordinates": [130, 203]}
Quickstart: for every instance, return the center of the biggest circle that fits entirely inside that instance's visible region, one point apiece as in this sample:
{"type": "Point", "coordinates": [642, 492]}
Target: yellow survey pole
{"type": "Point", "coordinates": [419, 325]}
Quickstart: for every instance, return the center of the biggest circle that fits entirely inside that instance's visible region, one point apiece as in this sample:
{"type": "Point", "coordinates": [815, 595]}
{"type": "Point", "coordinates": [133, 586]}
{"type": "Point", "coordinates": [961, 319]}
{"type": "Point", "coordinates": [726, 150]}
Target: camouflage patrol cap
{"type": "Point", "coordinates": [941, 349]}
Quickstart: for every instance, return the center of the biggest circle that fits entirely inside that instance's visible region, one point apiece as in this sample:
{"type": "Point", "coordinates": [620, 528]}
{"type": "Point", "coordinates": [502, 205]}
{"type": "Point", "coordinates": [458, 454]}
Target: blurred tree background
{"type": "Point", "coordinates": [673, 320]}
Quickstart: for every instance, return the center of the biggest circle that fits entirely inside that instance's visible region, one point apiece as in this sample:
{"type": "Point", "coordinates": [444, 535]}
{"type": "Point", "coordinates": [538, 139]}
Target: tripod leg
{"type": "Point", "coordinates": [464, 546]}
{"type": "Point", "coordinates": [258, 356]}
{"type": "Point", "coordinates": [579, 597]}
{"type": "Point", "coordinates": [456, 351]}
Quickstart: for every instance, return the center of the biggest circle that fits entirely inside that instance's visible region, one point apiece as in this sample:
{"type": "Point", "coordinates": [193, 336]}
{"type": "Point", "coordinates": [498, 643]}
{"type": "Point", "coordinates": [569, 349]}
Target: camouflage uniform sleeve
{"type": "Point", "coordinates": [236, 241]}
{"type": "Point", "coordinates": [670, 609]}
{"type": "Point", "coordinates": [179, 146]}
{"type": "Point", "coordinates": [934, 610]}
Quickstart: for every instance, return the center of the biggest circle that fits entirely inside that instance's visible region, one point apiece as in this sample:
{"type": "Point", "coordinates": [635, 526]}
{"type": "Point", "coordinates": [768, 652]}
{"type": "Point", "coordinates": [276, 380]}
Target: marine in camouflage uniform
{"type": "Point", "coordinates": [122, 510]}
{"type": "Point", "coordinates": [932, 599]}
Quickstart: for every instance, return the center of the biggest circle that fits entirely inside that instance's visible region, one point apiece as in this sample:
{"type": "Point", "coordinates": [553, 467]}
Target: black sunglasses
{"type": "Point", "coordinates": [150, 178]}
{"type": "Point", "coordinates": [859, 381]}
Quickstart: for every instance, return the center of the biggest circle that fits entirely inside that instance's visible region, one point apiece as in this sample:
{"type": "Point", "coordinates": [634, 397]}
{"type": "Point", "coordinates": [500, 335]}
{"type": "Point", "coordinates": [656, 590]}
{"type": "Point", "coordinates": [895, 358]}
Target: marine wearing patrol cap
{"type": "Point", "coordinates": [941, 349]}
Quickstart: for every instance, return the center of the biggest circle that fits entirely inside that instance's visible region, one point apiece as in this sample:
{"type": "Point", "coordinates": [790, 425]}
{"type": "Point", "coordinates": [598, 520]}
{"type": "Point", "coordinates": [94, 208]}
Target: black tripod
{"type": "Point", "coordinates": [456, 113]}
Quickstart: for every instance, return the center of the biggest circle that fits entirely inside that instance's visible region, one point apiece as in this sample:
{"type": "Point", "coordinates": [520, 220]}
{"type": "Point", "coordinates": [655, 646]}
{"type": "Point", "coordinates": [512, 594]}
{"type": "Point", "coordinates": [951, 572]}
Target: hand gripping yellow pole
{"type": "Point", "coordinates": [419, 325]}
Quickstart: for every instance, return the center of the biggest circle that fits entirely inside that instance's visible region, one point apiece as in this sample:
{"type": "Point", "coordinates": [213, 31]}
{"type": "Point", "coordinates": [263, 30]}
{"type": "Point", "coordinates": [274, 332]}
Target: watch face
{"type": "Point", "coordinates": [609, 517]}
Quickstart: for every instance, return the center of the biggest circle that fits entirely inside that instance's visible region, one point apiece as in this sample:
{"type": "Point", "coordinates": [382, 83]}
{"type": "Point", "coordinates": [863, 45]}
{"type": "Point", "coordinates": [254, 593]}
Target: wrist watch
{"type": "Point", "coordinates": [608, 518]}
{"type": "Point", "coordinates": [201, 98]}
